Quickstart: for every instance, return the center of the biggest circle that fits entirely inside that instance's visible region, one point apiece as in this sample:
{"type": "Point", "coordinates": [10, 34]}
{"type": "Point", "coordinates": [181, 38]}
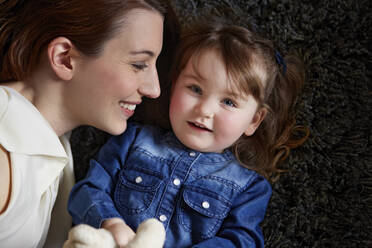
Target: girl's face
{"type": "Point", "coordinates": [205, 114]}
{"type": "Point", "coordinates": [105, 90]}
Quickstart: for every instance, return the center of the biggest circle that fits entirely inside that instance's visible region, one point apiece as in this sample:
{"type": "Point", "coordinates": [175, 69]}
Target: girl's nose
{"type": "Point", "coordinates": [150, 86]}
{"type": "Point", "coordinates": [205, 108]}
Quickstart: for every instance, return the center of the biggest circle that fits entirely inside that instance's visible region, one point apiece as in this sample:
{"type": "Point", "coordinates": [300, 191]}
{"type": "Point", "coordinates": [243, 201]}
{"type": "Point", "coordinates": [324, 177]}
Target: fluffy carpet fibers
{"type": "Point", "coordinates": [325, 200]}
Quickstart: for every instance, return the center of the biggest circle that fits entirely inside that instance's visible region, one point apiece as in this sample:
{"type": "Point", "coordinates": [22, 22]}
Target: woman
{"type": "Point", "coordinates": [65, 64]}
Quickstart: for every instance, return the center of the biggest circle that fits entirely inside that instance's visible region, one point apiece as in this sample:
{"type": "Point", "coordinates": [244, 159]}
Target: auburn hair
{"type": "Point", "coordinates": [27, 27]}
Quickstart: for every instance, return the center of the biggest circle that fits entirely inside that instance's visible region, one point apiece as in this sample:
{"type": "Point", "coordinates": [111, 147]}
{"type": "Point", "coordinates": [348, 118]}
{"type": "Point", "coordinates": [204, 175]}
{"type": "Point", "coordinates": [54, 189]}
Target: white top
{"type": "Point", "coordinates": [39, 161]}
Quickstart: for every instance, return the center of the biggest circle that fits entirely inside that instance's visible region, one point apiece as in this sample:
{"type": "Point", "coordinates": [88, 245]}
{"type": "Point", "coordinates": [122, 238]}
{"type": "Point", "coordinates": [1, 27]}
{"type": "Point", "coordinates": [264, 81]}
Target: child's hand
{"type": "Point", "coordinates": [122, 232]}
{"type": "Point", "coordinates": [85, 236]}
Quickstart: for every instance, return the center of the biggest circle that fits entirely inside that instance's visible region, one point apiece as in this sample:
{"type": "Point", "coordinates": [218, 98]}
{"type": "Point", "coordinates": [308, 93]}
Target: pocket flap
{"type": "Point", "coordinates": [140, 180]}
{"type": "Point", "coordinates": [206, 202]}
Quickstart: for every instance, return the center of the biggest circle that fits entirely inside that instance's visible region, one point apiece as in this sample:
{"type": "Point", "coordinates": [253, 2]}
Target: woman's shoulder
{"type": "Point", "coordinates": [5, 179]}
{"type": "Point", "coordinates": [3, 100]}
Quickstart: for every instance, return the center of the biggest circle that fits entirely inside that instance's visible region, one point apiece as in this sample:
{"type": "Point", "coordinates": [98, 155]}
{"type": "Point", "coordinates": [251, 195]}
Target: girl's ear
{"type": "Point", "coordinates": [61, 57]}
{"type": "Point", "coordinates": [256, 121]}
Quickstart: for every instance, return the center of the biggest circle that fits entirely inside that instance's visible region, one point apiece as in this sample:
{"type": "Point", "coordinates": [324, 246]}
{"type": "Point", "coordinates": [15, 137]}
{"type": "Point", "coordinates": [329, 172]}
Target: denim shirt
{"type": "Point", "coordinates": [203, 199]}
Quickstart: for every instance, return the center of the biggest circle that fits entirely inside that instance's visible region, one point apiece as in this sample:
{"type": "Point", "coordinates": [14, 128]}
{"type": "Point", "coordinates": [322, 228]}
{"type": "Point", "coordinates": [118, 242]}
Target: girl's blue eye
{"type": "Point", "coordinates": [229, 103]}
{"type": "Point", "coordinates": [195, 89]}
{"type": "Point", "coordinates": [139, 66]}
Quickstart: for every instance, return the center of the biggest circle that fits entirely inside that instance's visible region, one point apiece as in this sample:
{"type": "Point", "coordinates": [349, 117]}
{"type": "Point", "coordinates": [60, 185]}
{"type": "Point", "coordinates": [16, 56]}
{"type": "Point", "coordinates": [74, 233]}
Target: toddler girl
{"type": "Point", "coordinates": [231, 113]}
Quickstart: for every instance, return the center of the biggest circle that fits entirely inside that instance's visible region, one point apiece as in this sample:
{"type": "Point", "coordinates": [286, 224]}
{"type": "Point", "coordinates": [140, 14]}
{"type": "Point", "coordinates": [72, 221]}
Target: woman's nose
{"type": "Point", "coordinates": [150, 86]}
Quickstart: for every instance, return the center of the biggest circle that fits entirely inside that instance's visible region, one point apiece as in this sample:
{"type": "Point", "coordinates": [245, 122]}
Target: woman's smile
{"type": "Point", "coordinates": [127, 108]}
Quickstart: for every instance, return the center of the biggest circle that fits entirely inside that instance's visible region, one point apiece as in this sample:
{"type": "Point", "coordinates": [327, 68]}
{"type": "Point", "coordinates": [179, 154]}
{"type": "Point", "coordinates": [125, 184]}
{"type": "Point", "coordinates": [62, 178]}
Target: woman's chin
{"type": "Point", "coordinates": [117, 129]}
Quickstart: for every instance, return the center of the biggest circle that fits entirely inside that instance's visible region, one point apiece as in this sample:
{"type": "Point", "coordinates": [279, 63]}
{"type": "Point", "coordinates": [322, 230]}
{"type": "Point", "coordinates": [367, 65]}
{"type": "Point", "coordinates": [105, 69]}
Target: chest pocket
{"type": "Point", "coordinates": [202, 212]}
{"type": "Point", "coordinates": [136, 190]}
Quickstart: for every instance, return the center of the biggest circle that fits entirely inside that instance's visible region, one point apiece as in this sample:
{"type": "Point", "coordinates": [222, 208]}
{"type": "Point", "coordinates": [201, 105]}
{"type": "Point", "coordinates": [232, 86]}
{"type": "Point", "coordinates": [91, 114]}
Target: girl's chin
{"type": "Point", "coordinates": [196, 146]}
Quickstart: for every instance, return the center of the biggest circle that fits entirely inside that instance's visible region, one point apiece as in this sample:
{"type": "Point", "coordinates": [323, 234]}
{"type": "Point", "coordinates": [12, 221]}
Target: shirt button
{"type": "Point", "coordinates": [205, 204]}
{"type": "Point", "coordinates": [162, 218]}
{"type": "Point", "coordinates": [192, 154]}
{"type": "Point", "coordinates": [138, 179]}
{"type": "Point", "coordinates": [176, 181]}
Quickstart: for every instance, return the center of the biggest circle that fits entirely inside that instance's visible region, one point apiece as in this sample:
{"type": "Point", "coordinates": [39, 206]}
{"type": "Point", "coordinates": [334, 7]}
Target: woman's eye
{"type": "Point", "coordinates": [195, 89]}
{"type": "Point", "coordinates": [139, 66]}
{"type": "Point", "coordinates": [229, 102]}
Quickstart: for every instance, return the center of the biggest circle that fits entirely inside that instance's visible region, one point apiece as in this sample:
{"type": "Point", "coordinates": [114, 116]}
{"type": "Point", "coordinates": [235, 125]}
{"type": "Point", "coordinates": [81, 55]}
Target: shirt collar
{"type": "Point", "coordinates": [23, 129]}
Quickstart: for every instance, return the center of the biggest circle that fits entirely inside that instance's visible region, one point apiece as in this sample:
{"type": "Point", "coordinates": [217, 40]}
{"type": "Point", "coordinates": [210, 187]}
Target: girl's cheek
{"type": "Point", "coordinates": [176, 105]}
{"type": "Point", "coordinates": [227, 122]}
{"type": "Point", "coordinates": [180, 101]}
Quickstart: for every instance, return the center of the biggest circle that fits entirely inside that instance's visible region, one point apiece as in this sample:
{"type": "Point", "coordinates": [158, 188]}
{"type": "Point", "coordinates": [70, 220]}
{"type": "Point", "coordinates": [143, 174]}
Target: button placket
{"type": "Point", "coordinates": [192, 154]}
{"type": "Point", "coordinates": [177, 177]}
{"type": "Point", "coordinates": [162, 218]}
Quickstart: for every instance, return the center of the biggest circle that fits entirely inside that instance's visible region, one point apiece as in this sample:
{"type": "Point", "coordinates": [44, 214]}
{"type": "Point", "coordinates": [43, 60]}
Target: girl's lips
{"type": "Point", "coordinates": [198, 126]}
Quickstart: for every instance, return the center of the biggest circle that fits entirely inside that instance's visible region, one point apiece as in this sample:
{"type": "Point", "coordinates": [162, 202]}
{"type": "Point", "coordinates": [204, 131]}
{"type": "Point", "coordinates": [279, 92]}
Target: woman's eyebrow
{"type": "Point", "coordinates": [147, 52]}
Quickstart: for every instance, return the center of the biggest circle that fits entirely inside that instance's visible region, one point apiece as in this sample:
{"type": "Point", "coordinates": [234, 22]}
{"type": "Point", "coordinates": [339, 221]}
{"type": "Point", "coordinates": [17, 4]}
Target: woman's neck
{"type": "Point", "coordinates": [47, 98]}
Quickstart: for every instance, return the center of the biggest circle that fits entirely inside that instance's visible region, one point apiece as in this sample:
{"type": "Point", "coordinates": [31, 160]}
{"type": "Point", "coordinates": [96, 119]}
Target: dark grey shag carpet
{"type": "Point", "coordinates": [326, 198]}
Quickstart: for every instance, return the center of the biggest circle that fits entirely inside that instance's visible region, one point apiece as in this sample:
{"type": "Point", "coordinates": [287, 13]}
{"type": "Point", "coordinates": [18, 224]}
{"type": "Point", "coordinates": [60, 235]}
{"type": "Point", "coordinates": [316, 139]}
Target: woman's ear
{"type": "Point", "coordinates": [256, 121]}
{"type": "Point", "coordinates": [62, 59]}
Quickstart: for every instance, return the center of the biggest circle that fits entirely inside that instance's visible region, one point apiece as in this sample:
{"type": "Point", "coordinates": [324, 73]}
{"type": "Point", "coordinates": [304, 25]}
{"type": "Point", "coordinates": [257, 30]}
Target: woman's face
{"type": "Point", "coordinates": [105, 90]}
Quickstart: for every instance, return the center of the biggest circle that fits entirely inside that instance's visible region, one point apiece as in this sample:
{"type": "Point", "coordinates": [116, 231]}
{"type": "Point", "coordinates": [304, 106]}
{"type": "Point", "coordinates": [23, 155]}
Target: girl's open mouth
{"type": "Point", "coordinates": [199, 126]}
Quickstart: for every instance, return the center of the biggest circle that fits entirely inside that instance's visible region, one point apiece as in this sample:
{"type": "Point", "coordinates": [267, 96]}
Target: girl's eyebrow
{"type": "Point", "coordinates": [233, 94]}
{"type": "Point", "coordinates": [196, 71]}
{"type": "Point", "coordinates": [195, 77]}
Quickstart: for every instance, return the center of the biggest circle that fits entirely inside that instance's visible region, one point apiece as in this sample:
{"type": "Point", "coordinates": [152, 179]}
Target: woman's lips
{"type": "Point", "coordinates": [127, 108]}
